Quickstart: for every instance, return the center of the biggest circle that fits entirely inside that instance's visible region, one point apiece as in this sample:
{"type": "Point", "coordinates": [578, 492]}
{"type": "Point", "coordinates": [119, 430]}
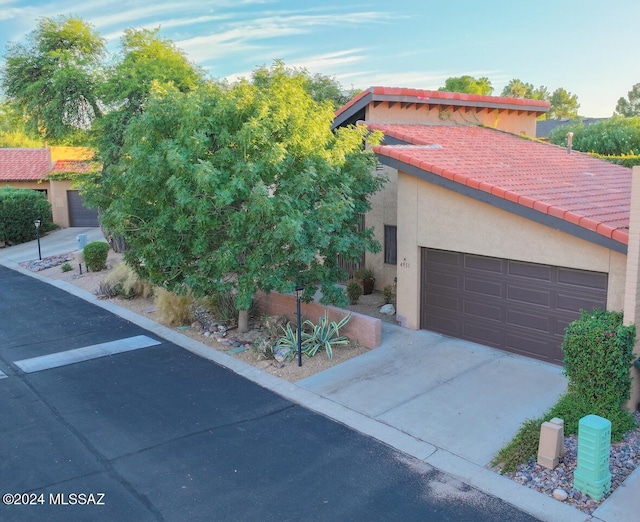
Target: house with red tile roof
{"type": "Point", "coordinates": [34, 169]}
{"type": "Point", "coordinates": [489, 234]}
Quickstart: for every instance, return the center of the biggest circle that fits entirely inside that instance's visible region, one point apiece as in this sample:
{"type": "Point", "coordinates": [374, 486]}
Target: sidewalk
{"type": "Point", "coordinates": [451, 403]}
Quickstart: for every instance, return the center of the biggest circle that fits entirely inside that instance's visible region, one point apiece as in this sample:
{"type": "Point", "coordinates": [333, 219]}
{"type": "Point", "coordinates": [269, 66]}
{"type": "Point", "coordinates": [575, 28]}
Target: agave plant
{"type": "Point", "coordinates": [288, 343]}
{"type": "Point", "coordinates": [325, 335]}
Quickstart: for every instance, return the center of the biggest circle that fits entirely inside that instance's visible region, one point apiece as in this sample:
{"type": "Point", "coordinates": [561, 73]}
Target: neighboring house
{"type": "Point", "coordinates": [492, 236]}
{"type": "Point", "coordinates": [544, 127]}
{"type": "Point", "coordinates": [25, 168]}
{"type": "Point", "coordinates": [34, 169]}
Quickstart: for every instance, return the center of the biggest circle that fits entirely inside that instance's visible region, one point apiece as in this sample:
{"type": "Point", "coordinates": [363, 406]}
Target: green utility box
{"type": "Point", "coordinates": [592, 476]}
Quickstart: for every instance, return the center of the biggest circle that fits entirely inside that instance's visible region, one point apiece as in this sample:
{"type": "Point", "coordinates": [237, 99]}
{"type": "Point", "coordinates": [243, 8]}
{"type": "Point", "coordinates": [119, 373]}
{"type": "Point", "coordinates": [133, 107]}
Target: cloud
{"type": "Point", "coordinates": [251, 34]}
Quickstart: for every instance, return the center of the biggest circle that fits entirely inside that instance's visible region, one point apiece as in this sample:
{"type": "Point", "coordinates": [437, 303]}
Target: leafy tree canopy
{"type": "Point", "coordinates": [322, 88]}
{"type": "Point", "coordinates": [563, 105]}
{"type": "Point", "coordinates": [518, 89]}
{"type": "Point", "coordinates": [629, 106]}
{"type": "Point", "coordinates": [612, 137]}
{"type": "Point", "coordinates": [145, 58]}
{"type": "Point", "coordinates": [12, 129]}
{"type": "Point", "coordinates": [53, 77]}
{"type": "Point", "coordinates": [243, 187]}
{"type": "Point", "coordinates": [468, 85]}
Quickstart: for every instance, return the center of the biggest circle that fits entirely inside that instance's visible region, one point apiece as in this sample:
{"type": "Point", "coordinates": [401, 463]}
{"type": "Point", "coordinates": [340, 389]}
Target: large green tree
{"type": "Point", "coordinates": [242, 187]}
{"type": "Point", "coordinates": [563, 105]}
{"type": "Point", "coordinates": [468, 84]}
{"type": "Point", "coordinates": [54, 76]}
{"type": "Point", "coordinates": [630, 106]}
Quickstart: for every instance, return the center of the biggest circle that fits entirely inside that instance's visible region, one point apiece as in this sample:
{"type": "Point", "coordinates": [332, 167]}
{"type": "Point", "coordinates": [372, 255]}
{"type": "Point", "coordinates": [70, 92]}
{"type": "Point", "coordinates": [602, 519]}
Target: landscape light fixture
{"type": "Point", "coordinates": [37, 225]}
{"type": "Point", "coordinates": [299, 290]}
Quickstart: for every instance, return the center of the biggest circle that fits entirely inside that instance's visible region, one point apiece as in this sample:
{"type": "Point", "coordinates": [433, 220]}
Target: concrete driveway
{"type": "Point", "coordinates": [459, 396]}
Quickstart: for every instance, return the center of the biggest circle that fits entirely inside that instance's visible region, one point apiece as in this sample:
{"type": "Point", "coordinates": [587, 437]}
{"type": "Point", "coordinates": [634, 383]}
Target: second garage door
{"type": "Point", "coordinates": [79, 215]}
{"type": "Point", "coordinates": [512, 305]}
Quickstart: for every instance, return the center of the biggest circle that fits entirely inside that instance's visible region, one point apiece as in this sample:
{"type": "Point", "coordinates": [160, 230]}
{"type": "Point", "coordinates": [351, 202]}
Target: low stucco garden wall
{"type": "Point", "coordinates": [366, 330]}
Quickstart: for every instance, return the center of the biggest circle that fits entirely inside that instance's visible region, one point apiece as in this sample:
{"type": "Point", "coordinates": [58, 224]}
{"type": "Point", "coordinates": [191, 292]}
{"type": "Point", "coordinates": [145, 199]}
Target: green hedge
{"type": "Point", "coordinates": [598, 353]}
{"type": "Point", "coordinates": [95, 255]}
{"type": "Point", "coordinates": [19, 208]}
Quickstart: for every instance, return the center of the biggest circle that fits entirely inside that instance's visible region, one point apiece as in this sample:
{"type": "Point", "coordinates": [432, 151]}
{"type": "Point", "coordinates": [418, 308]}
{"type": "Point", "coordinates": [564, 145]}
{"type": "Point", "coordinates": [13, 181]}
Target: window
{"type": "Point", "coordinates": [390, 244]}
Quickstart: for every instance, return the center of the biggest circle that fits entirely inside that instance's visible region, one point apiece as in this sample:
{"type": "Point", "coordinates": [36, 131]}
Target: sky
{"type": "Point", "coordinates": [590, 48]}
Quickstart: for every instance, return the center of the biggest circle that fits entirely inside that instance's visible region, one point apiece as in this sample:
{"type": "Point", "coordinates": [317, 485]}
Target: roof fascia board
{"type": "Point", "coordinates": [508, 206]}
{"type": "Point", "coordinates": [352, 111]}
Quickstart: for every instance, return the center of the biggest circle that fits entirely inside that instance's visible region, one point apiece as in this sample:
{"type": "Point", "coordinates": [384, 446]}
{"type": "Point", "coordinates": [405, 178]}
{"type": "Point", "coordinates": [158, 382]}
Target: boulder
{"type": "Point", "coordinates": [388, 309]}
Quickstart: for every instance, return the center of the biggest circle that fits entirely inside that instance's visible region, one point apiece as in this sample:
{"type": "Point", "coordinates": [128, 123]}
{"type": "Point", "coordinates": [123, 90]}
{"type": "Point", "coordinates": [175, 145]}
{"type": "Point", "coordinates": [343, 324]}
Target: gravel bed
{"type": "Point", "coordinates": [624, 459]}
{"type": "Point", "coordinates": [47, 262]}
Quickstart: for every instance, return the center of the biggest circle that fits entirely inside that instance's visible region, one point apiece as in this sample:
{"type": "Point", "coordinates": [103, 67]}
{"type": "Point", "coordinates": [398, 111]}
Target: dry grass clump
{"type": "Point", "coordinates": [172, 309]}
{"type": "Point", "coordinates": [123, 281]}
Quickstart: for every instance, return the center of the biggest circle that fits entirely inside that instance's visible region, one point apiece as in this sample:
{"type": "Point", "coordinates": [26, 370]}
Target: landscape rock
{"type": "Point", "coordinates": [560, 494]}
{"type": "Point", "coordinates": [388, 309]}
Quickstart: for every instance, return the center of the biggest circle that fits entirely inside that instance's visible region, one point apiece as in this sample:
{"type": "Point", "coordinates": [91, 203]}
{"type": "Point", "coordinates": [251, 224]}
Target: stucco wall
{"type": "Point", "coordinates": [435, 217]}
{"type": "Point", "coordinates": [632, 294]}
{"type": "Point", "coordinates": [59, 204]}
{"type": "Point", "coordinates": [384, 211]}
{"type": "Point", "coordinates": [508, 121]}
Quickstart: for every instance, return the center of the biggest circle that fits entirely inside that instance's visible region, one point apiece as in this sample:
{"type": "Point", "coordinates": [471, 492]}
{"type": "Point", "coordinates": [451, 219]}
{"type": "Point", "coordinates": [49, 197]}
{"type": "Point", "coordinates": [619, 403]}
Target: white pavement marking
{"type": "Point", "coordinates": [55, 360]}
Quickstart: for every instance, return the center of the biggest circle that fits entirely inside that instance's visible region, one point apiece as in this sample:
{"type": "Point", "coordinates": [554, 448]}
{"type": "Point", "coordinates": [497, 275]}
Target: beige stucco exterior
{"type": "Point", "coordinates": [515, 122]}
{"type": "Point", "coordinates": [59, 202]}
{"type": "Point", "coordinates": [632, 282]}
{"type": "Point", "coordinates": [436, 217]}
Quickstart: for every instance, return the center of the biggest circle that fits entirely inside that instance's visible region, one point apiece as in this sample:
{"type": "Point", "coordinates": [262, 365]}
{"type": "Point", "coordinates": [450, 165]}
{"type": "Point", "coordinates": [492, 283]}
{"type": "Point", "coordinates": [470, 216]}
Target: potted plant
{"type": "Point", "coordinates": [365, 275]}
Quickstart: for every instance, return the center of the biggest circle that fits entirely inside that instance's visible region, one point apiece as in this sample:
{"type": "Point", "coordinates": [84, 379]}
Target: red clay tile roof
{"type": "Point", "coordinates": [444, 98]}
{"type": "Point", "coordinates": [576, 187]}
{"type": "Point", "coordinates": [76, 166]}
{"type": "Point", "coordinates": [24, 164]}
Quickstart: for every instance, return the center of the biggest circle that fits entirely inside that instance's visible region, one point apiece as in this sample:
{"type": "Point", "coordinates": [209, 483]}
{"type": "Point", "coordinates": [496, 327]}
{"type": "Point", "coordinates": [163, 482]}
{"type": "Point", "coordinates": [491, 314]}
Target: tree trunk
{"type": "Point", "coordinates": [117, 243]}
{"type": "Point", "coordinates": [243, 321]}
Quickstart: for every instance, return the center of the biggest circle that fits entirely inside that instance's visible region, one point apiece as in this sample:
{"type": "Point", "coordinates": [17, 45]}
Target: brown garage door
{"type": "Point", "coordinates": [511, 305]}
{"type": "Point", "coordinates": [79, 215]}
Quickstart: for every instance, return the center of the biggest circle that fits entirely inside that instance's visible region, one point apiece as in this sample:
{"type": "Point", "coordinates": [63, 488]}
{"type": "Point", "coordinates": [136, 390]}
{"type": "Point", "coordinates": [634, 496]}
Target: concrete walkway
{"type": "Point", "coordinates": [451, 403]}
{"type": "Point", "coordinates": [61, 241]}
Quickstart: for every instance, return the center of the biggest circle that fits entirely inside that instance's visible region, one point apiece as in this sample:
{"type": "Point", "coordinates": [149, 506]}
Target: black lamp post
{"type": "Point", "coordinates": [37, 224]}
{"type": "Point", "coordinates": [299, 290]}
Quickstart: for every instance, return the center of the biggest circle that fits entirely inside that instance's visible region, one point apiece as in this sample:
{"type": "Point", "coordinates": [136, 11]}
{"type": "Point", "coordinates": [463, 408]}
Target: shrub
{"type": "Point", "coordinates": [66, 267]}
{"type": "Point", "coordinates": [19, 209]}
{"type": "Point", "coordinates": [387, 292]}
{"type": "Point", "coordinates": [95, 255]}
{"type": "Point", "coordinates": [354, 291]}
{"type": "Point", "coordinates": [172, 309]}
{"type": "Point", "coordinates": [598, 352]}
{"type": "Point", "coordinates": [124, 281]}
{"type": "Point", "coordinates": [522, 447]}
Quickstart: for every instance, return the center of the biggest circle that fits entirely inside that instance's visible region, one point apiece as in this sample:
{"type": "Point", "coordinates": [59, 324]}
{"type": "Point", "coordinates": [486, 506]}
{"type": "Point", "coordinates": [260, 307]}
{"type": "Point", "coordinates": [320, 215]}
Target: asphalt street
{"type": "Point", "coordinates": [102, 420]}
